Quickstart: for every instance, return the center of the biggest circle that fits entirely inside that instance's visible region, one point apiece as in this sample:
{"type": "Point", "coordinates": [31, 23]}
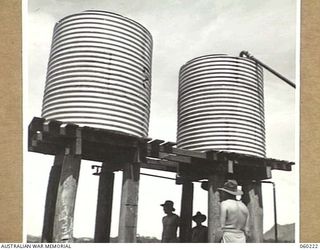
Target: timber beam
{"type": "Point", "coordinates": [48, 137]}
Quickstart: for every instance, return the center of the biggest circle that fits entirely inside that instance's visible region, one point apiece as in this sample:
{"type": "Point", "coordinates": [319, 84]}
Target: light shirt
{"type": "Point", "coordinates": [234, 216]}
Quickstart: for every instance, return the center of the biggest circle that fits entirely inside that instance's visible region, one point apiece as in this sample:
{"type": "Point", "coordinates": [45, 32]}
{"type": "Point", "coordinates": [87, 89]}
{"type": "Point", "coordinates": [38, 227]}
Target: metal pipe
{"type": "Point", "coordinates": [275, 213]}
{"type": "Point", "coordinates": [246, 53]}
{"type": "Point", "coordinates": [163, 177]}
{"type": "Point", "coordinates": [168, 178]}
{"type": "Point", "coordinates": [274, 210]}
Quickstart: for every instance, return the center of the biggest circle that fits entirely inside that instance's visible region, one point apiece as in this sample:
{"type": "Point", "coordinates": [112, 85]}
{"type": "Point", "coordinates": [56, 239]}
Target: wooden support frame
{"type": "Point", "coordinates": [50, 137]}
{"type": "Point", "coordinates": [129, 201]}
{"type": "Point", "coordinates": [104, 205]}
{"type": "Point", "coordinates": [214, 182]}
{"type": "Point", "coordinates": [253, 199]}
{"type": "Point", "coordinates": [65, 204]}
{"type": "Point", "coordinates": [186, 212]}
{"type": "Point", "coordinates": [51, 199]}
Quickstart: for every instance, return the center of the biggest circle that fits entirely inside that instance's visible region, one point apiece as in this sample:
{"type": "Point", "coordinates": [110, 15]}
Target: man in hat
{"type": "Point", "coordinates": [199, 232]}
{"type": "Point", "coordinates": [234, 215]}
{"type": "Point", "coordinates": [170, 223]}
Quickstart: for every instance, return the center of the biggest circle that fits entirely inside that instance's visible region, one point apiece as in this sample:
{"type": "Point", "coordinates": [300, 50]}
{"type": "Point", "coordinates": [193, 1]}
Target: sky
{"type": "Point", "coordinates": [181, 30]}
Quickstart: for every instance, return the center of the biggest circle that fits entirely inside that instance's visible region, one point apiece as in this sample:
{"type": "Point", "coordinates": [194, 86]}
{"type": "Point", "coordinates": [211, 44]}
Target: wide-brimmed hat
{"type": "Point", "coordinates": [199, 217]}
{"type": "Point", "coordinates": [168, 204]}
{"type": "Point", "coordinates": [231, 187]}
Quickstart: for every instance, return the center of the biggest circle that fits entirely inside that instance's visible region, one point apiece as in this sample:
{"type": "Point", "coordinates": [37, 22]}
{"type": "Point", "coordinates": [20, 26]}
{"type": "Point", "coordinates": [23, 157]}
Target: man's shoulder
{"type": "Point", "coordinates": [176, 216]}
{"type": "Point", "coordinates": [227, 202]}
{"type": "Point", "coordinates": [171, 216]}
{"type": "Point", "coordinates": [244, 207]}
{"type": "Point", "coordinates": [232, 204]}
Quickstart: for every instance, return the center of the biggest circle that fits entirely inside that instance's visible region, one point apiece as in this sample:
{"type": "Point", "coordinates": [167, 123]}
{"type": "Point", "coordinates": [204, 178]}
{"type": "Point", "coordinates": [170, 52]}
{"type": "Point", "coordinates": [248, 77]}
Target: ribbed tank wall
{"type": "Point", "coordinates": [99, 73]}
{"type": "Point", "coordinates": [220, 105]}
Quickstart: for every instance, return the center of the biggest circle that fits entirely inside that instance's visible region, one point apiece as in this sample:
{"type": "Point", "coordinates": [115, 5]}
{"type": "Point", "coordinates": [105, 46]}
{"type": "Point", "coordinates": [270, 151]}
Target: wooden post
{"type": "Point", "coordinates": [64, 215]}
{"type": "Point", "coordinates": [186, 212]}
{"type": "Point", "coordinates": [253, 199]}
{"type": "Point", "coordinates": [214, 183]}
{"type": "Point", "coordinates": [51, 198]}
{"type": "Point", "coordinates": [104, 205]}
{"type": "Point", "coordinates": [129, 203]}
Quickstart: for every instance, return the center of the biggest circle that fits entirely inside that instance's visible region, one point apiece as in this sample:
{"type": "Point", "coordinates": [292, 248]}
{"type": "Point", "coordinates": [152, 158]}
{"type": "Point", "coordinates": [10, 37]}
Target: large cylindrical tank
{"type": "Point", "coordinates": [221, 106]}
{"type": "Point", "coordinates": [99, 73]}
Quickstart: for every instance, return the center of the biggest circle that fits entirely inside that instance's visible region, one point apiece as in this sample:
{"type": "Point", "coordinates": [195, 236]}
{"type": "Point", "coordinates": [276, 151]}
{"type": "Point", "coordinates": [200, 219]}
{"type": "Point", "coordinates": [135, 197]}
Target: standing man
{"type": "Point", "coordinates": [234, 215]}
{"type": "Point", "coordinates": [199, 232]}
{"type": "Point", "coordinates": [170, 223]}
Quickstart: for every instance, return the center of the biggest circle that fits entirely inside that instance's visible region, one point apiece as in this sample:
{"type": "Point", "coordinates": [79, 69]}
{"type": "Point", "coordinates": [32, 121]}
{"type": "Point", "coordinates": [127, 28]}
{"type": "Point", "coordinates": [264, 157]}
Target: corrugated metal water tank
{"type": "Point", "coordinates": [99, 73]}
{"type": "Point", "coordinates": [221, 106]}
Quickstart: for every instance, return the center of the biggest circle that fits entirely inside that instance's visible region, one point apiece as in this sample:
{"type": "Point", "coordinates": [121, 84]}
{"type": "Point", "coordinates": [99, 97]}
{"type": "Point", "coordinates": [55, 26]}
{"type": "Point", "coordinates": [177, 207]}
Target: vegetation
{"type": "Point", "coordinates": [140, 239]}
{"type": "Point", "coordinates": [286, 234]}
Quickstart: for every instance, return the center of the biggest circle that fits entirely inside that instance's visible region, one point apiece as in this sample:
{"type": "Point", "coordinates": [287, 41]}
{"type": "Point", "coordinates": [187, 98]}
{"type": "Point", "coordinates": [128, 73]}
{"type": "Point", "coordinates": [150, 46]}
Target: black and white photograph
{"type": "Point", "coordinates": [161, 121]}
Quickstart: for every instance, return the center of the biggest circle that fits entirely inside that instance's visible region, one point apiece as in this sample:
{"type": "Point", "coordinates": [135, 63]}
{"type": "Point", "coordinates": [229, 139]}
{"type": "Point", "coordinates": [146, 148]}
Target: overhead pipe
{"type": "Point", "coordinates": [248, 55]}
